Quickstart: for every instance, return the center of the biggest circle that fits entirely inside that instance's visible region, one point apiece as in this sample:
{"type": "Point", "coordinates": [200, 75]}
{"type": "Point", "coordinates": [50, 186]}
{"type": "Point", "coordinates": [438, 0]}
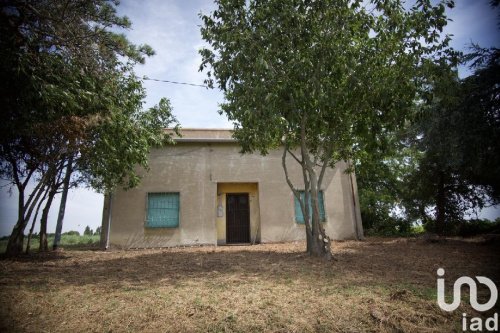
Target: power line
{"type": "Point", "coordinates": [175, 82]}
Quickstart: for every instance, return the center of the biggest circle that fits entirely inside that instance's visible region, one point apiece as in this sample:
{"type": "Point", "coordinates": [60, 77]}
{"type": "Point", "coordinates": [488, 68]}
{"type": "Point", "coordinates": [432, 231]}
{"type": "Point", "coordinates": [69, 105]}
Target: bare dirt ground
{"type": "Point", "coordinates": [378, 285]}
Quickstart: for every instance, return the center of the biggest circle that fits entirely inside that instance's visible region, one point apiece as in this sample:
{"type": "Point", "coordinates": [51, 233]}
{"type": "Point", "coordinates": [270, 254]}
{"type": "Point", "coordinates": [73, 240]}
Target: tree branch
{"type": "Point", "coordinates": [294, 156]}
{"type": "Point", "coordinates": [329, 152]}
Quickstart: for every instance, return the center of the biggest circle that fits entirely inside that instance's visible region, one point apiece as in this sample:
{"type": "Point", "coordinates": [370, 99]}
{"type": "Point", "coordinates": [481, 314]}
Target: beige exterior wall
{"type": "Point", "coordinates": [202, 173]}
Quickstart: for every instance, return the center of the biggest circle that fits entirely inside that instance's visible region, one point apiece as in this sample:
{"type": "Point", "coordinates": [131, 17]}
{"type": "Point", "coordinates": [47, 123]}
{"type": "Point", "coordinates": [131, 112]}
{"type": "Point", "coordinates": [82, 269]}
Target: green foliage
{"type": "Point", "coordinates": [435, 174]}
{"type": "Point", "coordinates": [122, 142]}
{"type": "Point", "coordinates": [479, 121]}
{"type": "Point", "coordinates": [457, 135]}
{"type": "Point", "coordinates": [68, 87]}
{"type": "Point", "coordinates": [469, 228]}
{"type": "Point", "coordinates": [68, 240]}
{"type": "Point", "coordinates": [448, 183]}
{"type": "Point", "coordinates": [381, 181]}
{"type": "Point", "coordinates": [72, 233]}
{"type": "Point", "coordinates": [343, 69]}
{"type": "Point", "coordinates": [466, 228]}
{"type": "Point", "coordinates": [389, 226]}
{"type": "Point", "coordinates": [69, 96]}
{"type": "Point", "coordinates": [88, 231]}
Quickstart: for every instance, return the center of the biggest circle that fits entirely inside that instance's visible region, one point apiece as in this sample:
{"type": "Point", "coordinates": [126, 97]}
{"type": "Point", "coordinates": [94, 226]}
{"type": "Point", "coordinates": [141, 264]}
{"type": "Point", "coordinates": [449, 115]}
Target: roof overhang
{"type": "Point", "coordinates": [207, 135]}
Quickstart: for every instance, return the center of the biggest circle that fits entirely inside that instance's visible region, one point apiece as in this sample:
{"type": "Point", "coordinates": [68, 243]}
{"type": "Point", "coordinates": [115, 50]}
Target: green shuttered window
{"type": "Point", "coordinates": [163, 210]}
{"type": "Point", "coordinates": [299, 217]}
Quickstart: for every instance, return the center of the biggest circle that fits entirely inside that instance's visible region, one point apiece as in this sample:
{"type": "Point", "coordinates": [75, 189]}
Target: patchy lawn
{"type": "Point", "coordinates": [384, 285]}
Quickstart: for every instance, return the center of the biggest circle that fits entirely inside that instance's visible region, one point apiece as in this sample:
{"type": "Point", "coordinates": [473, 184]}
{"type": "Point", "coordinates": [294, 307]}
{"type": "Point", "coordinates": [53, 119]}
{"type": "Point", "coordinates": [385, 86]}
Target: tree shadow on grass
{"type": "Point", "coordinates": [397, 262]}
{"type": "Point", "coordinates": [34, 257]}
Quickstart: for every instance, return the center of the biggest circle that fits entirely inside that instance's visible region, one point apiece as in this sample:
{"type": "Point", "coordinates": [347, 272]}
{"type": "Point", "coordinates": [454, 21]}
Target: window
{"type": "Point", "coordinates": [163, 210]}
{"type": "Point", "coordinates": [299, 217]}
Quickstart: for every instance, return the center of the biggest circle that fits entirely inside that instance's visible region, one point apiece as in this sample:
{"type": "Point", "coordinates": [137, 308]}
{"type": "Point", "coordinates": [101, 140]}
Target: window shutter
{"type": "Point", "coordinates": [299, 217]}
{"type": "Point", "coordinates": [163, 210]}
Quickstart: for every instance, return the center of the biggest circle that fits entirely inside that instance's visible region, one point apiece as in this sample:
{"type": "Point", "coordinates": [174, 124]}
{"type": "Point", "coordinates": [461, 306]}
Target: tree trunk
{"type": "Point", "coordinates": [25, 209]}
{"type": "Point", "coordinates": [440, 206]}
{"type": "Point", "coordinates": [305, 212]}
{"type": "Point", "coordinates": [319, 245]}
{"type": "Point", "coordinates": [28, 244]}
{"type": "Point", "coordinates": [30, 235]}
{"type": "Point", "coordinates": [44, 247]}
{"type": "Point", "coordinates": [16, 239]}
{"type": "Point", "coordinates": [62, 207]}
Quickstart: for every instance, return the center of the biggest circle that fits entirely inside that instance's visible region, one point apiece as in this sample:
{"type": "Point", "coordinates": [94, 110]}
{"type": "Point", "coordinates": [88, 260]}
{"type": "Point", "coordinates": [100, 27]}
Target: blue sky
{"type": "Point", "coordinates": [171, 27]}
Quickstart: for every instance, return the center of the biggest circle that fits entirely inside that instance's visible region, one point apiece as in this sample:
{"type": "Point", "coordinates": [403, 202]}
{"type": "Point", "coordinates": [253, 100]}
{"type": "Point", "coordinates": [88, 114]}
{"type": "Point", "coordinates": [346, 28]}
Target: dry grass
{"type": "Point", "coordinates": [386, 285]}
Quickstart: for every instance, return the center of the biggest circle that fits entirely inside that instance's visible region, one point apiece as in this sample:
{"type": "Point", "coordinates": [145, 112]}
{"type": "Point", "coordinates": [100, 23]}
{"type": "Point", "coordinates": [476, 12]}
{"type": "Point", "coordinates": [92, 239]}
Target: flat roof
{"type": "Point", "coordinates": [204, 135]}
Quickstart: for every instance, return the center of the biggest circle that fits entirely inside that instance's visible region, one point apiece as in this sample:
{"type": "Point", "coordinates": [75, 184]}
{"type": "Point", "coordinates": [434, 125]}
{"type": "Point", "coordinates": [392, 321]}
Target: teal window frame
{"type": "Point", "coordinates": [163, 210]}
{"type": "Point", "coordinates": [299, 217]}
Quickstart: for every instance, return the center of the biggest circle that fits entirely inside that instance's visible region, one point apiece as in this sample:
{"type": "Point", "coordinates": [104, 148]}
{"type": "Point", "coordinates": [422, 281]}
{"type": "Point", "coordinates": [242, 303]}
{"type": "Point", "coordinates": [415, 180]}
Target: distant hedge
{"type": "Point", "coordinates": [71, 233]}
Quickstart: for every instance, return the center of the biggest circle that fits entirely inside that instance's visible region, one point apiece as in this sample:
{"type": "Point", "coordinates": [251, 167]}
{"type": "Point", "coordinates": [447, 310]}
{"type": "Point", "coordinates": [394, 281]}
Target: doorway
{"type": "Point", "coordinates": [237, 218]}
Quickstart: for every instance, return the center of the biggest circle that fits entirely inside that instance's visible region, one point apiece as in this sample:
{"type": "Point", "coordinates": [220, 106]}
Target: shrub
{"type": "Point", "coordinates": [387, 226]}
{"type": "Point", "coordinates": [451, 226]}
{"type": "Point", "coordinates": [71, 233]}
{"type": "Point", "coordinates": [88, 231]}
{"type": "Point", "coordinates": [469, 228]}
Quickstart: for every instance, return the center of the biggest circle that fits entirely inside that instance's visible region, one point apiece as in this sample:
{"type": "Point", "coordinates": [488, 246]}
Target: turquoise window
{"type": "Point", "coordinates": [299, 217]}
{"type": "Point", "coordinates": [163, 210]}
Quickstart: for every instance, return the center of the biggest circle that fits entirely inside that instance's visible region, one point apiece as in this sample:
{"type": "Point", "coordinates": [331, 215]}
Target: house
{"type": "Point", "coordinates": [203, 191]}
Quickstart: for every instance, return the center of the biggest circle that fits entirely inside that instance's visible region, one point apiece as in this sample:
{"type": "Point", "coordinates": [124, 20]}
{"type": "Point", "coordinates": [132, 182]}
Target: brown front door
{"type": "Point", "coordinates": [237, 218]}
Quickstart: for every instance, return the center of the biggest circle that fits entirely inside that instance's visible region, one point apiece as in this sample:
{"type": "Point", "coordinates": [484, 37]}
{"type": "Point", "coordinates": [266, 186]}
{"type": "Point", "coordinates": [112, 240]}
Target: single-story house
{"type": "Point", "coordinates": [203, 191]}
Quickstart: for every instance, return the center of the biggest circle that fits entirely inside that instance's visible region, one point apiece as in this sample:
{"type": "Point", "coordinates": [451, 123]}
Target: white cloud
{"type": "Point", "coordinates": [172, 29]}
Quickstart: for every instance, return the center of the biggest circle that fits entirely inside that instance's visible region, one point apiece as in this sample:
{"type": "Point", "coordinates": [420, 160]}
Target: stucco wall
{"type": "Point", "coordinates": [198, 171]}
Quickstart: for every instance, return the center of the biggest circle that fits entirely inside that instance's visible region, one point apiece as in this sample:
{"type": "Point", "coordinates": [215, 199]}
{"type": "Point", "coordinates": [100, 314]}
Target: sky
{"type": "Point", "coordinates": [171, 27]}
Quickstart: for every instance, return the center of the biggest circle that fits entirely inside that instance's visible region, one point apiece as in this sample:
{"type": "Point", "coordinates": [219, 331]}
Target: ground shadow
{"type": "Point", "coordinates": [395, 262]}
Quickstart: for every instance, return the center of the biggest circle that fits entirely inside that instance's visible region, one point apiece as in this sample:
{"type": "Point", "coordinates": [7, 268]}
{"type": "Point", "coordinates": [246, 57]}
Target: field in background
{"type": "Point", "coordinates": [386, 285]}
{"type": "Point", "coordinates": [68, 241]}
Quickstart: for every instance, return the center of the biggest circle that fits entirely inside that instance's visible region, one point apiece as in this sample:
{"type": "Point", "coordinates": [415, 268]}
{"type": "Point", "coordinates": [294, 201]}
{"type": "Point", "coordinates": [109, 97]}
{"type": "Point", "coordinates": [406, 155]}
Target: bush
{"type": "Point", "coordinates": [466, 228]}
{"type": "Point", "coordinates": [387, 226]}
{"type": "Point", "coordinates": [450, 226]}
{"type": "Point", "coordinates": [417, 229]}
{"type": "Point", "coordinates": [469, 228]}
{"type": "Point", "coordinates": [71, 233]}
{"type": "Point", "coordinates": [88, 231]}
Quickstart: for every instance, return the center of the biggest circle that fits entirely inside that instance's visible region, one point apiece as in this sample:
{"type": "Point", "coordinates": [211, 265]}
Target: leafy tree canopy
{"type": "Point", "coordinates": [325, 76]}
{"type": "Point", "coordinates": [70, 96]}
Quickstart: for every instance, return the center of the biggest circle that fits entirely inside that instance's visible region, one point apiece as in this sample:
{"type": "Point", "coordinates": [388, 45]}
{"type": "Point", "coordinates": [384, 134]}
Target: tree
{"type": "Point", "coordinates": [381, 177]}
{"type": "Point", "coordinates": [70, 101]}
{"type": "Point", "coordinates": [62, 206]}
{"type": "Point", "coordinates": [317, 76]}
{"type": "Point", "coordinates": [454, 176]}
{"type": "Point", "coordinates": [480, 119]}
{"type": "Point", "coordinates": [88, 231]}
